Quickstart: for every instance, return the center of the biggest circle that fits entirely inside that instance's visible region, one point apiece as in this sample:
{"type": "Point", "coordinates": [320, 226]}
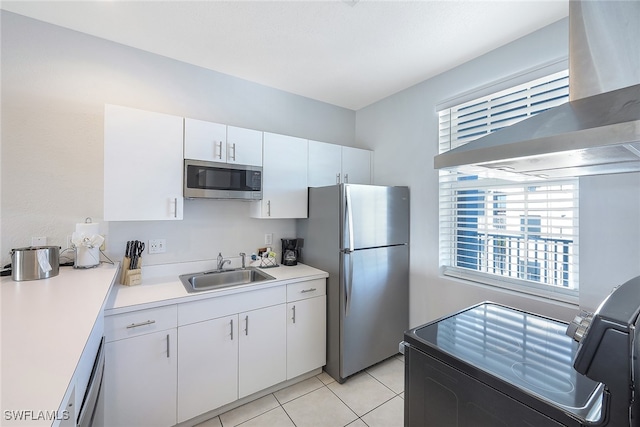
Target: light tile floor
{"type": "Point", "coordinates": [372, 398]}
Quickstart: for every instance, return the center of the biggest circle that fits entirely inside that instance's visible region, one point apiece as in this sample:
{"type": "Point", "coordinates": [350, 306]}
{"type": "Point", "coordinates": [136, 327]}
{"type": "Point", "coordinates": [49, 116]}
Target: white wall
{"type": "Point", "coordinates": [55, 83]}
{"type": "Point", "coordinates": [402, 129]}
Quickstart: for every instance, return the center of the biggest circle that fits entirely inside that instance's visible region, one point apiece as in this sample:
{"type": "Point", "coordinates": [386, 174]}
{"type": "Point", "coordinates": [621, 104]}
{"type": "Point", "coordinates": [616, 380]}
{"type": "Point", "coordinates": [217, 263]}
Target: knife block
{"type": "Point", "coordinates": [131, 277]}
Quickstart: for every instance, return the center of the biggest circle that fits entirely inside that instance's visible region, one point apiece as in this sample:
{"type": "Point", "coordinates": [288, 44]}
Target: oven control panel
{"type": "Point", "coordinates": [579, 325]}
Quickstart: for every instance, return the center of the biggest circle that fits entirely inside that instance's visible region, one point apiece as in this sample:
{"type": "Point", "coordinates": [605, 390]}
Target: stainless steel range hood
{"type": "Point", "coordinates": [598, 131]}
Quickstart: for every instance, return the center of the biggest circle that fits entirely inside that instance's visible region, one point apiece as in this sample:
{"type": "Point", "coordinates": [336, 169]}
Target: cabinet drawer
{"type": "Point", "coordinates": [307, 289]}
{"type": "Point", "coordinates": [199, 311]}
{"type": "Point", "coordinates": [140, 322]}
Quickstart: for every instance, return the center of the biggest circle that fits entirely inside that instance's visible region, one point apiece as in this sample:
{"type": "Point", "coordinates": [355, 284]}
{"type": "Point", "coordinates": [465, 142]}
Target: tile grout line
{"type": "Point", "coordinates": [358, 417]}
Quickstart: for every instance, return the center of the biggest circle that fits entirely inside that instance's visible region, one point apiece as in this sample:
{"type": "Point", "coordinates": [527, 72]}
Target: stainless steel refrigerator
{"type": "Point", "coordinates": [359, 234]}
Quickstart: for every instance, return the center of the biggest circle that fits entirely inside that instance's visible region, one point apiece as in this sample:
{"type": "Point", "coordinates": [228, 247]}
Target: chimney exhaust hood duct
{"type": "Point", "coordinates": [598, 130]}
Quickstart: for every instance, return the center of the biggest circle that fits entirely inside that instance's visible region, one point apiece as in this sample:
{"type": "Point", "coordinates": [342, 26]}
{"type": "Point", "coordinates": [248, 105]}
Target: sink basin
{"type": "Point", "coordinates": [217, 279]}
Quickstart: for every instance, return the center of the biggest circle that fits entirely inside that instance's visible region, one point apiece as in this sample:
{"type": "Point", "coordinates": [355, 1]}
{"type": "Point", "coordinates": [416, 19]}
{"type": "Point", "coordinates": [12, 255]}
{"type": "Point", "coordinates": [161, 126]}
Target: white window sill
{"type": "Point", "coordinates": [559, 296]}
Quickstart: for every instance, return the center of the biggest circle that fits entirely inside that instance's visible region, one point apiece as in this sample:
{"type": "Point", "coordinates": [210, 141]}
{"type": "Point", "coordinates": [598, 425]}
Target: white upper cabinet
{"type": "Point", "coordinates": [356, 166]}
{"type": "Point", "coordinates": [331, 164]}
{"type": "Point", "coordinates": [284, 178]}
{"type": "Point", "coordinates": [143, 161]}
{"type": "Point", "coordinates": [205, 141]}
{"type": "Point", "coordinates": [215, 142]}
{"type": "Point", "coordinates": [244, 146]}
{"type": "Point", "coordinates": [325, 164]}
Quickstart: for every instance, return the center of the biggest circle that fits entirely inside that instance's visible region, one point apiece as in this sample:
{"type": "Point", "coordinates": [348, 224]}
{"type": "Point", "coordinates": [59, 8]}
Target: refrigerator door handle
{"type": "Point", "coordinates": [349, 215]}
{"type": "Point", "coordinates": [348, 285]}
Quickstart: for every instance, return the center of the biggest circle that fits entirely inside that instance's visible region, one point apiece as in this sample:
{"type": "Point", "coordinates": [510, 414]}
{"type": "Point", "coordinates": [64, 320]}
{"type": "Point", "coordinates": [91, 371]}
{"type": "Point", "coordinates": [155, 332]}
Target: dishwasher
{"type": "Point", "coordinates": [91, 400]}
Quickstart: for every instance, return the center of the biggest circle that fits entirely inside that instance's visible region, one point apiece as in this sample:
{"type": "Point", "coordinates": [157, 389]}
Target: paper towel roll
{"type": "Point", "coordinates": [86, 256]}
{"type": "Point", "coordinates": [88, 229]}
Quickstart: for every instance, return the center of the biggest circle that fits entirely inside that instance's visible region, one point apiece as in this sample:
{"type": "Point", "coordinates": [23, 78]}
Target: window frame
{"type": "Point", "coordinates": [449, 238]}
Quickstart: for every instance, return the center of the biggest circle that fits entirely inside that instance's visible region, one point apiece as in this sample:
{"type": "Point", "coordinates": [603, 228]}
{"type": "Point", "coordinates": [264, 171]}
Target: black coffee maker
{"type": "Point", "coordinates": [291, 251]}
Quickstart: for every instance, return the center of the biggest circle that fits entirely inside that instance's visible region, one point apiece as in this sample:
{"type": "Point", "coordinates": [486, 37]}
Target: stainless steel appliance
{"type": "Point", "coordinates": [90, 409]}
{"type": "Point", "coordinates": [359, 234]}
{"type": "Point", "coordinates": [212, 180]}
{"type": "Point", "coordinates": [35, 262]}
{"type": "Point", "coordinates": [492, 365]}
{"type": "Point", "coordinates": [598, 131]}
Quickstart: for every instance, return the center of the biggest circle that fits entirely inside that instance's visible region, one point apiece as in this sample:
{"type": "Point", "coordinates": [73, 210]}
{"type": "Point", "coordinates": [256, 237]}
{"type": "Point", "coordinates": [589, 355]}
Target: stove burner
{"type": "Point", "coordinates": [505, 345]}
{"type": "Point", "coordinates": [541, 377]}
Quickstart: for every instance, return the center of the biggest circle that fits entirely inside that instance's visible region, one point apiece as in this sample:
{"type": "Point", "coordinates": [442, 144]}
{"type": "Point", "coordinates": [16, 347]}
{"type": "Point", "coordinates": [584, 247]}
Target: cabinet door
{"type": "Point", "coordinates": [205, 141]}
{"type": "Point", "coordinates": [356, 166]}
{"type": "Point", "coordinates": [142, 165]}
{"type": "Point", "coordinates": [244, 146]}
{"type": "Point", "coordinates": [262, 353]}
{"type": "Point", "coordinates": [306, 335]}
{"type": "Point", "coordinates": [325, 164]}
{"type": "Point", "coordinates": [284, 183]}
{"type": "Point", "coordinates": [140, 380]}
{"type": "Point", "coordinates": [208, 366]}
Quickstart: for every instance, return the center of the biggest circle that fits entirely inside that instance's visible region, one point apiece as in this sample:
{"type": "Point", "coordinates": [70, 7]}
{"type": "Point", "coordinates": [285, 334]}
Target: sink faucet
{"type": "Point", "coordinates": [242, 254]}
{"type": "Point", "coordinates": [222, 261]}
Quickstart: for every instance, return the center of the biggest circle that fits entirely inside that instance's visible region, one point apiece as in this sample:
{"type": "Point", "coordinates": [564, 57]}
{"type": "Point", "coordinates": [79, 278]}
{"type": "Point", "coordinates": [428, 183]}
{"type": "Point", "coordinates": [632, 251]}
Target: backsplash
{"type": "Point", "coordinates": [208, 227]}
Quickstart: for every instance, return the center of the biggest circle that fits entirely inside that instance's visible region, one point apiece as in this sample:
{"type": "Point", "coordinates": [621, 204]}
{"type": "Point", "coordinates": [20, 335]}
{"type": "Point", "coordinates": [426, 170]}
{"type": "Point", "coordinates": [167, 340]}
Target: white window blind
{"type": "Point", "coordinates": [522, 235]}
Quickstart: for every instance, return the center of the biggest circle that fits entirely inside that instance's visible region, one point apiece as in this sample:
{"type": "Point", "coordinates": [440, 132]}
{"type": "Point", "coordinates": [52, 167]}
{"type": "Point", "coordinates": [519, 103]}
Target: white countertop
{"type": "Point", "coordinates": [161, 285]}
{"type": "Point", "coordinates": [45, 326]}
{"type": "Point", "coordinates": [46, 323]}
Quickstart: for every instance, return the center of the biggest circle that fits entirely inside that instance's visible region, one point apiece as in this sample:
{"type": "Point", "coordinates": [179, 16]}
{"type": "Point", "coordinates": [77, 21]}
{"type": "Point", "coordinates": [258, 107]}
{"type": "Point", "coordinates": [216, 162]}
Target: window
{"type": "Point", "coordinates": [507, 231]}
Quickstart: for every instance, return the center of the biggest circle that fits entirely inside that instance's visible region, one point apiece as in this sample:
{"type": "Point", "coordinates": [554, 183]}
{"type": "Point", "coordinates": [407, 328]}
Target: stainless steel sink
{"type": "Point", "coordinates": [217, 279]}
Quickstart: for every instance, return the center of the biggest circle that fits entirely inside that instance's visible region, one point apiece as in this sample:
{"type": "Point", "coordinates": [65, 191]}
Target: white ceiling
{"type": "Point", "coordinates": [347, 53]}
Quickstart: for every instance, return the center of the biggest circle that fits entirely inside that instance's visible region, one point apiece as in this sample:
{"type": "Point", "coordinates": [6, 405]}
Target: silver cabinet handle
{"type": "Point", "coordinates": [168, 345]}
{"type": "Point", "coordinates": [346, 178]}
{"type": "Point", "coordinates": [220, 145]}
{"type": "Point", "coordinates": [234, 152]}
{"type": "Point", "coordinates": [308, 290]}
{"type": "Point", "coordinates": [175, 205]}
{"type": "Point", "coordinates": [294, 314]}
{"type": "Point", "coordinates": [135, 325]}
{"type": "Point", "coordinates": [269, 208]}
{"type": "Point", "coordinates": [337, 178]}
{"type": "Point", "coordinates": [246, 323]}
{"type": "Point", "coordinates": [231, 329]}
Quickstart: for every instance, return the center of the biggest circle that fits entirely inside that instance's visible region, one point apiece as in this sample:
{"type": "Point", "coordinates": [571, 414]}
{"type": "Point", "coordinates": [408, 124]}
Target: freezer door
{"type": "Point", "coordinates": [374, 306]}
{"type": "Point", "coordinates": [374, 216]}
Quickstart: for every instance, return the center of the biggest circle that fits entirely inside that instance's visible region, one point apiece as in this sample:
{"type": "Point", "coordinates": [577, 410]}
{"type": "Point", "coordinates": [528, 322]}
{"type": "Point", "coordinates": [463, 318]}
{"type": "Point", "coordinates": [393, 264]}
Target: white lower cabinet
{"type": "Point", "coordinates": [140, 380]}
{"type": "Point", "coordinates": [224, 359]}
{"type": "Point", "coordinates": [306, 336]}
{"type": "Point", "coordinates": [170, 364]}
{"type": "Point", "coordinates": [208, 366]}
{"type": "Point", "coordinates": [262, 355]}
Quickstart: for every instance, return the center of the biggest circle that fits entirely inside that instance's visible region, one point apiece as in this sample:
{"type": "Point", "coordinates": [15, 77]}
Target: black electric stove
{"type": "Point", "coordinates": [492, 365]}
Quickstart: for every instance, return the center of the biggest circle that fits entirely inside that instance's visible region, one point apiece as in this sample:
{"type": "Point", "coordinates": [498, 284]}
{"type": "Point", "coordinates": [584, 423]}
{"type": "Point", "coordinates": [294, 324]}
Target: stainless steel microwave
{"type": "Point", "coordinates": [212, 180]}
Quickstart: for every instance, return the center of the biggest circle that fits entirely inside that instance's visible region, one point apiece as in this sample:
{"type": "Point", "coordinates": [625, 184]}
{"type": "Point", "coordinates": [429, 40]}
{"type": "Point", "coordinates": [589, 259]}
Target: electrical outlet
{"type": "Point", "coordinates": [268, 239]}
{"type": "Point", "coordinates": [103, 246]}
{"type": "Point", "coordinates": [157, 246]}
{"type": "Point", "coordinates": [38, 241]}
